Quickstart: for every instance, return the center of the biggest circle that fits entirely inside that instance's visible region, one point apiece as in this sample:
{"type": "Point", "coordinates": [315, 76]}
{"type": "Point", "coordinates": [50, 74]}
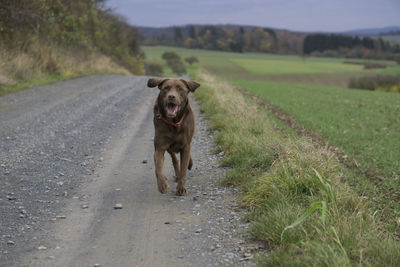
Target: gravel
{"type": "Point", "coordinates": [51, 140]}
{"type": "Point", "coordinates": [50, 137]}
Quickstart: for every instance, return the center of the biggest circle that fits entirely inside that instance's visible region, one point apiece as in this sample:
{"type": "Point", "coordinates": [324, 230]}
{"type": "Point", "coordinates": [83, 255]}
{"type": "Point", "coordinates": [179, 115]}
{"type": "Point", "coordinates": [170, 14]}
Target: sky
{"type": "Point", "coordinates": [297, 15]}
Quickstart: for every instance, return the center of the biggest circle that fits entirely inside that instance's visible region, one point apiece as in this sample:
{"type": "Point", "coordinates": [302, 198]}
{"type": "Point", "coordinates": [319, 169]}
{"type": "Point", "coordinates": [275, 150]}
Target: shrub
{"type": "Point", "coordinates": [154, 69]}
{"type": "Point", "coordinates": [170, 56]}
{"type": "Point", "coordinates": [374, 66]}
{"type": "Point", "coordinates": [368, 65]}
{"type": "Point", "coordinates": [177, 67]}
{"type": "Point", "coordinates": [175, 62]}
{"type": "Point", "coordinates": [191, 60]}
{"type": "Point", "coordinates": [386, 83]}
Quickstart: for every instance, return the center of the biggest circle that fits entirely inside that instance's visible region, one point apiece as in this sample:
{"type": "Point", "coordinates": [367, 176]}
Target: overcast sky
{"type": "Point", "coordinates": [300, 15]}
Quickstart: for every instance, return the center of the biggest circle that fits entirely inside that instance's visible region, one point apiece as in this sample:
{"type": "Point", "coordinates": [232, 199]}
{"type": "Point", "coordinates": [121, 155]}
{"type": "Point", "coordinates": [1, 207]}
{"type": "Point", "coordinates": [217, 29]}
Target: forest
{"type": "Point", "coordinates": [234, 38]}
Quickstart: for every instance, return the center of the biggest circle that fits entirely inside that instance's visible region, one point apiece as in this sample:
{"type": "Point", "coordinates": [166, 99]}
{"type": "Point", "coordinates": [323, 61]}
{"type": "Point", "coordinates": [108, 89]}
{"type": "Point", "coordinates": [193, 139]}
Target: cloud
{"type": "Point", "coordinates": [304, 15]}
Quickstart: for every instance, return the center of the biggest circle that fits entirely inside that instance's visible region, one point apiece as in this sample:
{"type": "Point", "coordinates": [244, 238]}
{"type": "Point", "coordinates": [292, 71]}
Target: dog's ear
{"type": "Point", "coordinates": [153, 82]}
{"type": "Point", "coordinates": [192, 85]}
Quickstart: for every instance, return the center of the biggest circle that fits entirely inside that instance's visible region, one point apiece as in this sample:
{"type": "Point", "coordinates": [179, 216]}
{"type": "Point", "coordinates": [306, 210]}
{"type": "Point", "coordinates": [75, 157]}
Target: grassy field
{"type": "Point", "coordinates": [276, 66]}
{"type": "Point", "coordinates": [392, 38]}
{"type": "Point", "coordinates": [298, 204]}
{"type": "Point", "coordinates": [366, 125]}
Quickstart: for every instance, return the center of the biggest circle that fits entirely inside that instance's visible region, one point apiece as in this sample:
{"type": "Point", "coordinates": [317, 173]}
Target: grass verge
{"type": "Point", "coordinates": [42, 64]}
{"type": "Point", "coordinates": [298, 201]}
{"type": "Point", "coordinates": [364, 124]}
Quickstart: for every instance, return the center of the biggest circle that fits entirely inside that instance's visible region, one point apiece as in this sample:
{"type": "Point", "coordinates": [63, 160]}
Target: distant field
{"type": "Point", "coordinates": [269, 67]}
{"type": "Point", "coordinates": [366, 125]}
{"type": "Point", "coordinates": [262, 66]}
{"type": "Point", "coordinates": [393, 38]}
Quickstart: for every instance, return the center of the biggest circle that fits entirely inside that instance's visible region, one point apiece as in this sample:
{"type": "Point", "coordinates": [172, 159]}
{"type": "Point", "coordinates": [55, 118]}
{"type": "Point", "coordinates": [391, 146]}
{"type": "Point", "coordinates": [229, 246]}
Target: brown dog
{"type": "Point", "coordinates": [174, 129]}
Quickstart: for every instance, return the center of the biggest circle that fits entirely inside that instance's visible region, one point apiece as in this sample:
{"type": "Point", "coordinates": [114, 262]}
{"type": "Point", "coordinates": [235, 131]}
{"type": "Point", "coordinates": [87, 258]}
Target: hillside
{"type": "Point", "coordinates": [46, 40]}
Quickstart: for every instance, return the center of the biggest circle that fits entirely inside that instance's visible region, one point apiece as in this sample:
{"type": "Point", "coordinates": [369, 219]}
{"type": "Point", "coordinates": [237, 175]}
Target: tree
{"type": "Point", "coordinates": [178, 37]}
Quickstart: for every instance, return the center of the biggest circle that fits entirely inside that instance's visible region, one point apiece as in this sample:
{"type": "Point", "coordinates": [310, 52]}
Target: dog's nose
{"type": "Point", "coordinates": [171, 97]}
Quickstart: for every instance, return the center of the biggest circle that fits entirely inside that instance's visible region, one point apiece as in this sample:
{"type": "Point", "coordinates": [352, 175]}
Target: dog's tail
{"type": "Point", "coordinates": [190, 163]}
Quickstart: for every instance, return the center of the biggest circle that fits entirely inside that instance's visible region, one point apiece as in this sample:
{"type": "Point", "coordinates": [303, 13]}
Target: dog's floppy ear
{"type": "Point", "coordinates": [192, 85]}
{"type": "Point", "coordinates": [153, 82]}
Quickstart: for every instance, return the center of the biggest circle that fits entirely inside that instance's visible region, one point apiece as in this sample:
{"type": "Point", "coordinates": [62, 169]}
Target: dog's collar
{"type": "Point", "coordinates": [159, 116]}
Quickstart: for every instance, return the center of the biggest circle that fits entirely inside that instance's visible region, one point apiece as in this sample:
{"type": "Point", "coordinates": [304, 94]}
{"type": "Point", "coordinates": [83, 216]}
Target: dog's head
{"type": "Point", "coordinates": [173, 93]}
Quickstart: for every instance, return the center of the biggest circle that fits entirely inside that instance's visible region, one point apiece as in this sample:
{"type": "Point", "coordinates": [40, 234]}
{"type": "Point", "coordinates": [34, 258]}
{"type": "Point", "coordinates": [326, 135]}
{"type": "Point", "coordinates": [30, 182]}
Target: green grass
{"type": "Point", "coordinates": [262, 66]}
{"type": "Point", "coordinates": [392, 70]}
{"type": "Point", "coordinates": [392, 38]}
{"type": "Point", "coordinates": [365, 124]}
{"type": "Point", "coordinates": [47, 79]}
{"type": "Point", "coordinates": [44, 79]}
{"type": "Point", "coordinates": [232, 66]}
{"type": "Point", "coordinates": [293, 190]}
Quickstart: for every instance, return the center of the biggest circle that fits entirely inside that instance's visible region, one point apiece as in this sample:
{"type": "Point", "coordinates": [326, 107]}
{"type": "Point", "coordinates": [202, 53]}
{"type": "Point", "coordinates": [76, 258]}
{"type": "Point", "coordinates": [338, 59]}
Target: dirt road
{"type": "Point", "coordinates": [71, 151]}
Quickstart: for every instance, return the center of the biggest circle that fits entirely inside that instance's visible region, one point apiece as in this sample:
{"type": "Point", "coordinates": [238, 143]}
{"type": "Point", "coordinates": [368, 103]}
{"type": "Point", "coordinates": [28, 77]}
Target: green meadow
{"type": "Point", "coordinates": [364, 124]}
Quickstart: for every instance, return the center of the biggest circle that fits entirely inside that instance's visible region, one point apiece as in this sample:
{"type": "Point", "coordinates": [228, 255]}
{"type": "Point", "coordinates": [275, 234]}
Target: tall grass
{"type": "Point", "coordinates": [298, 203]}
{"type": "Point", "coordinates": [43, 62]}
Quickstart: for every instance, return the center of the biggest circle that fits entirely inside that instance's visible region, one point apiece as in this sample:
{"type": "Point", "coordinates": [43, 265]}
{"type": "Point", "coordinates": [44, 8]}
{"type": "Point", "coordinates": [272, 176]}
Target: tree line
{"type": "Point", "coordinates": [82, 23]}
{"type": "Point", "coordinates": [229, 38]}
{"type": "Point", "coordinates": [266, 40]}
{"type": "Point", "coordinates": [335, 42]}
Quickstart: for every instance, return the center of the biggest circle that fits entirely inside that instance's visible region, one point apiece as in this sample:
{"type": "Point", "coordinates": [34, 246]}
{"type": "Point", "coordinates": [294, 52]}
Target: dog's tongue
{"type": "Point", "coordinates": [172, 110]}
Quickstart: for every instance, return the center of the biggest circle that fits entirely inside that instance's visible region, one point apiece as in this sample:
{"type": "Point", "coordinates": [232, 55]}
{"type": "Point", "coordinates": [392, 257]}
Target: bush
{"type": "Point", "coordinates": [177, 67]}
{"type": "Point", "coordinates": [170, 56]}
{"type": "Point", "coordinates": [368, 65]}
{"type": "Point", "coordinates": [154, 69]}
{"type": "Point", "coordinates": [175, 62]}
{"type": "Point", "coordinates": [191, 60]}
{"type": "Point", "coordinates": [386, 83]}
{"type": "Point", "coordinates": [374, 66]}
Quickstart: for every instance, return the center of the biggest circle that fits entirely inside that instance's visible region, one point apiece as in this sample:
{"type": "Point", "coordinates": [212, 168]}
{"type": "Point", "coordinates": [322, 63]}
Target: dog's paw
{"type": "Point", "coordinates": [162, 186]}
{"type": "Point", "coordinates": [181, 191]}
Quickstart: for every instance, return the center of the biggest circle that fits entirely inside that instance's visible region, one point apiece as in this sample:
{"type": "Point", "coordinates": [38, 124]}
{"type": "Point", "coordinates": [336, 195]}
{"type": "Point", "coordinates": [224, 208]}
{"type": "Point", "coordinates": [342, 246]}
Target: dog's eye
{"type": "Point", "coordinates": [167, 87]}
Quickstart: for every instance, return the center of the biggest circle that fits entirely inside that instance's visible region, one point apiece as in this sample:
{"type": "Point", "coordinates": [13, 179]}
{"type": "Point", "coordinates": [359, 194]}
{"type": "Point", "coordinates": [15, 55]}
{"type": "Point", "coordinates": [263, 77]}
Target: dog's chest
{"type": "Point", "coordinates": [178, 141]}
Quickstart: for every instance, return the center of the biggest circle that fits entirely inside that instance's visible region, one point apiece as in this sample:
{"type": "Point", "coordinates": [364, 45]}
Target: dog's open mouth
{"type": "Point", "coordinates": [172, 109]}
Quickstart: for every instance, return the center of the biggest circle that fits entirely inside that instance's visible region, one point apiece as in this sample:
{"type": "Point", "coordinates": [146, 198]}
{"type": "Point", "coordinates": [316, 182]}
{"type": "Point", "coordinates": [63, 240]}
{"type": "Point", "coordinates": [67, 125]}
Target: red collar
{"type": "Point", "coordinates": [159, 116]}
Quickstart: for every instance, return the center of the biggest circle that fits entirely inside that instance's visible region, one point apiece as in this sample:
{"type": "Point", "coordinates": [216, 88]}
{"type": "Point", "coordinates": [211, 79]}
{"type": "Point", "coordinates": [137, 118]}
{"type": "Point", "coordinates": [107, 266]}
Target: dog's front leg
{"type": "Point", "coordinates": [159, 163]}
{"type": "Point", "coordinates": [185, 157]}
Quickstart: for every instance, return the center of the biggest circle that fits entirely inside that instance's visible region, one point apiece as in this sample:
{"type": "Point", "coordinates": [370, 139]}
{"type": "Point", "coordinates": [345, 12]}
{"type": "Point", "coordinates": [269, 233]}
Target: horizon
{"type": "Point", "coordinates": [274, 28]}
{"type": "Point", "coordinates": [299, 16]}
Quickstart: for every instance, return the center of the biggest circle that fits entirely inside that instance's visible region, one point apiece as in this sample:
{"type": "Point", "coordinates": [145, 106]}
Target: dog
{"type": "Point", "coordinates": [174, 129]}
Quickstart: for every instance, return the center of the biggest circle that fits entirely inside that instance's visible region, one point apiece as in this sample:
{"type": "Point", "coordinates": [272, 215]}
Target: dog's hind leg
{"type": "Point", "coordinates": [175, 162]}
{"type": "Point", "coordinates": [190, 163]}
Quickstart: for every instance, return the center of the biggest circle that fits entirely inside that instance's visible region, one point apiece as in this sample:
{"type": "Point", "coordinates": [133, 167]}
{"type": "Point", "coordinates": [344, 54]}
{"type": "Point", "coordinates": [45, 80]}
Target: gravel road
{"type": "Point", "coordinates": [77, 183]}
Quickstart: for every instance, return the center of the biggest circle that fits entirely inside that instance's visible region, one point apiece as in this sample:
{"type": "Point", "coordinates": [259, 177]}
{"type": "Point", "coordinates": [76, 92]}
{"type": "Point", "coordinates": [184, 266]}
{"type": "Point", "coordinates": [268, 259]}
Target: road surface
{"type": "Point", "coordinates": [72, 151]}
